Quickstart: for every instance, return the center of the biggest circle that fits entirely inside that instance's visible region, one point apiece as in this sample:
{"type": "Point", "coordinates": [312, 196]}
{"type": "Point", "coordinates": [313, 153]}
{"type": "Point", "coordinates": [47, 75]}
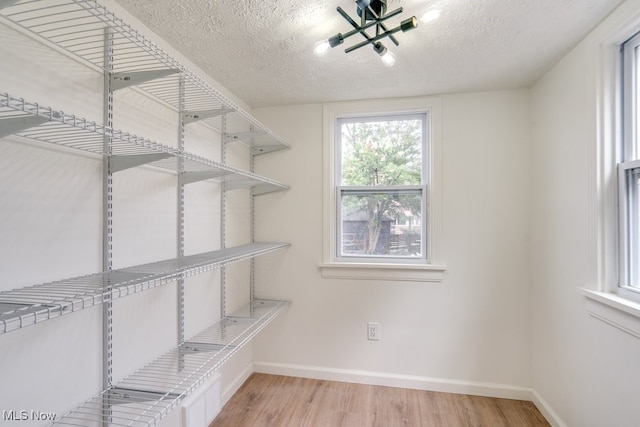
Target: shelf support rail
{"type": "Point", "coordinates": [180, 226]}
{"type": "Point", "coordinates": [223, 220]}
{"type": "Point", "coordinates": [252, 228]}
{"type": "Point", "coordinates": [107, 227]}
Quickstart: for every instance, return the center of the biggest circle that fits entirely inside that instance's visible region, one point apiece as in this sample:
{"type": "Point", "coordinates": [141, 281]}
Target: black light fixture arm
{"type": "Point", "coordinates": [361, 28]}
{"type": "Point", "coordinates": [407, 23]}
{"type": "Point", "coordinates": [373, 13]}
{"type": "Point", "coordinates": [375, 10]}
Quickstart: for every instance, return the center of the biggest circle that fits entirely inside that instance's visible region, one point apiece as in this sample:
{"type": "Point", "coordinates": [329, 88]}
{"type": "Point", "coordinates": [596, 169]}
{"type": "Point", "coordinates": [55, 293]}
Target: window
{"type": "Point", "coordinates": [613, 292]}
{"type": "Point", "coordinates": [381, 183]}
{"type": "Point", "coordinates": [381, 190]}
{"type": "Point", "coordinates": [629, 172]}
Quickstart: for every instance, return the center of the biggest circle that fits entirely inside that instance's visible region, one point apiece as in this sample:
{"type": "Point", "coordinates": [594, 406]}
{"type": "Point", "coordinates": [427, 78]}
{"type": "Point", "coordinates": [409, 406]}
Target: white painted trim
{"type": "Point", "coordinates": [383, 271]}
{"type": "Point", "coordinates": [431, 105]}
{"type": "Point", "coordinates": [614, 310]}
{"type": "Point", "coordinates": [397, 380]}
{"type": "Point", "coordinates": [603, 219]}
{"type": "Point", "coordinates": [199, 391]}
{"type": "Point", "coordinates": [415, 382]}
{"type": "Point", "coordinates": [237, 382]}
{"type": "Point", "coordinates": [604, 299]}
{"type": "Point", "coordinates": [546, 410]}
{"type": "Point", "coordinates": [204, 404]}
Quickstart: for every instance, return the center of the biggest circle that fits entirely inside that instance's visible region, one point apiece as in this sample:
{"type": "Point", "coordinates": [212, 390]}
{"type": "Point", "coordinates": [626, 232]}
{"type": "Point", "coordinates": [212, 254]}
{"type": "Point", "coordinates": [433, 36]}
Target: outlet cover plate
{"type": "Point", "coordinates": [373, 331]}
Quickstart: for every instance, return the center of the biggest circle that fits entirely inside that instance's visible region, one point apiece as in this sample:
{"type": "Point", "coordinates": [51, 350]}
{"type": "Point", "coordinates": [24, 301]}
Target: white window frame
{"type": "Point", "coordinates": [420, 188]}
{"type": "Point", "coordinates": [426, 269]}
{"type": "Point", "coordinates": [606, 300]}
{"type": "Point", "coordinates": [628, 167]}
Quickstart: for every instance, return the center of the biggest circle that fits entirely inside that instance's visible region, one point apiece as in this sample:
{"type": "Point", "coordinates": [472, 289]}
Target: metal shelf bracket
{"type": "Point", "coordinates": [264, 149]}
{"type": "Point", "coordinates": [122, 396]}
{"type": "Point", "coordinates": [194, 116]}
{"type": "Point", "coordinates": [191, 177]}
{"type": "Point", "coordinates": [126, 79]}
{"type": "Point", "coordinates": [7, 3]}
{"type": "Point", "coordinates": [259, 189]}
{"type": "Point", "coordinates": [120, 163]}
{"type": "Point", "coordinates": [201, 347]}
{"type": "Point", "coordinates": [14, 125]}
{"type": "Point", "coordinates": [239, 136]}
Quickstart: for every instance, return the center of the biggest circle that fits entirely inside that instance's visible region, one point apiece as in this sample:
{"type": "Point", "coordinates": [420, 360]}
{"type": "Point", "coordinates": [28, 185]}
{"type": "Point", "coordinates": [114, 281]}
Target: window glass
{"type": "Point", "coordinates": [381, 152]}
{"type": "Point", "coordinates": [381, 187]}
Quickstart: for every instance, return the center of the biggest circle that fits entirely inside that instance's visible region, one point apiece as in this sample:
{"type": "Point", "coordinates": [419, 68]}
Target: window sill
{"type": "Point", "coordinates": [614, 310]}
{"type": "Point", "coordinates": [387, 272]}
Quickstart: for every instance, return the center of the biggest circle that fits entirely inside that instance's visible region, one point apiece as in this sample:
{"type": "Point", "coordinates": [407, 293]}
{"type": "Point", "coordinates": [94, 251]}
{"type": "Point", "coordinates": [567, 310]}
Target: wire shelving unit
{"type": "Point", "coordinates": [35, 304]}
{"type": "Point", "coordinates": [34, 121]}
{"type": "Point", "coordinates": [147, 395]}
{"type": "Point", "coordinates": [77, 27]}
{"type": "Point", "coordinates": [87, 32]}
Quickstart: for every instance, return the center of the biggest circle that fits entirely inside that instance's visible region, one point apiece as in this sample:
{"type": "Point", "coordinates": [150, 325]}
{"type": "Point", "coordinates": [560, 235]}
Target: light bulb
{"type": "Point", "coordinates": [388, 59]}
{"type": "Point", "coordinates": [431, 15]}
{"type": "Point", "coordinates": [409, 24]}
{"type": "Point", "coordinates": [321, 47]}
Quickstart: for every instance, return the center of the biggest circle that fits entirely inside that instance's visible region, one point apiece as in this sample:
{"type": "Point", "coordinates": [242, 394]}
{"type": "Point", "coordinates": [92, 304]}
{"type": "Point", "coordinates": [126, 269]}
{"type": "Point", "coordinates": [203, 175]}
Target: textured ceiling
{"type": "Point", "coordinates": [262, 51]}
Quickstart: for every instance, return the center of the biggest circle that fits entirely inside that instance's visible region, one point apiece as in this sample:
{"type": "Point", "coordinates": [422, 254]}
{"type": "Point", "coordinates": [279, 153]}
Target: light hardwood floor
{"type": "Point", "coordinates": [271, 400]}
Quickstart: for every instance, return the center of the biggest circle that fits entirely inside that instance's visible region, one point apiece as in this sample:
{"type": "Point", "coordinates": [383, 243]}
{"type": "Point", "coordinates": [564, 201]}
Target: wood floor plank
{"type": "Point", "coordinates": [278, 401]}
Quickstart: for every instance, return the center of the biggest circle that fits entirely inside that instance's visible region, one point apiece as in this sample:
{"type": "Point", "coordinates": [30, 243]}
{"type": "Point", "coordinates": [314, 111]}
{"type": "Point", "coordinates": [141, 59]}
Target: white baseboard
{"type": "Point", "coordinates": [396, 380]}
{"type": "Point", "coordinates": [415, 382]}
{"type": "Point", "coordinates": [551, 416]}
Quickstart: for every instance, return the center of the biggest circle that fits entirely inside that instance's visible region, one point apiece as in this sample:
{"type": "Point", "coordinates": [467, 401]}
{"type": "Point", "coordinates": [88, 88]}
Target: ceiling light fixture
{"type": "Point", "coordinates": [372, 13]}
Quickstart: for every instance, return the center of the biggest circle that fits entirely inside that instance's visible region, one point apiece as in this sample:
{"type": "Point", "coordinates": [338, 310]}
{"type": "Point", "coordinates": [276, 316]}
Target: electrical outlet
{"type": "Point", "coordinates": [373, 331]}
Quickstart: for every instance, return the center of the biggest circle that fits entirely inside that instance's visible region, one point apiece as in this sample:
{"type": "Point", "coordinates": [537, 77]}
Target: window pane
{"type": "Point", "coordinates": [634, 226]}
{"type": "Point", "coordinates": [385, 223]}
{"type": "Point", "coordinates": [381, 152]}
{"type": "Point", "coordinates": [634, 151]}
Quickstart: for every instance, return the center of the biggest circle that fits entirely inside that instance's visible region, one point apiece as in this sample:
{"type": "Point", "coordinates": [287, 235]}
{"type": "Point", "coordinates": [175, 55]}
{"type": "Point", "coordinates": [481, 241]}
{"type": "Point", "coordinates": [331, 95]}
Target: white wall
{"type": "Point", "coordinates": [469, 333]}
{"type": "Point", "coordinates": [584, 369]}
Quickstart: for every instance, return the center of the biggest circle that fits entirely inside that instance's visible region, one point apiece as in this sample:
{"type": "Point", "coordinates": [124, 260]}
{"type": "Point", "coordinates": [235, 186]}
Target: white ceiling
{"type": "Point", "coordinates": [262, 51]}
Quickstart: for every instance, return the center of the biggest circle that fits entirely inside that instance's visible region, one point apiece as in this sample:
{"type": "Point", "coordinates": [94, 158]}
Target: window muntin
{"type": "Point", "coordinates": [381, 170]}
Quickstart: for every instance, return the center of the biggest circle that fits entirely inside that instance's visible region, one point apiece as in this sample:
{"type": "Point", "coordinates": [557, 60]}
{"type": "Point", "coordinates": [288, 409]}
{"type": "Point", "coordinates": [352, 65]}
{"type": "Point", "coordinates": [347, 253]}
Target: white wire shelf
{"type": "Point", "coordinates": [34, 121]}
{"type": "Point", "coordinates": [35, 304]}
{"type": "Point", "coordinates": [146, 396]}
{"type": "Point", "coordinates": [78, 27]}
